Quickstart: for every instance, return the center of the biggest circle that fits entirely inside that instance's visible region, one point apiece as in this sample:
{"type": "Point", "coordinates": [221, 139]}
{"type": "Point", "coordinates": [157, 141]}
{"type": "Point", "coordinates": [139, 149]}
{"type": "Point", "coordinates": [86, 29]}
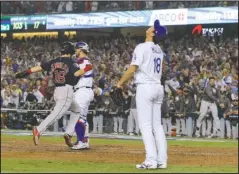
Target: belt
{"type": "Point", "coordinates": [75, 89]}
{"type": "Point", "coordinates": [60, 85]}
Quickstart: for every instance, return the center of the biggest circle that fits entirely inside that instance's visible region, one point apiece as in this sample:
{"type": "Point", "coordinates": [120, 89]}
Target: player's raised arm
{"type": "Point", "coordinates": [28, 72]}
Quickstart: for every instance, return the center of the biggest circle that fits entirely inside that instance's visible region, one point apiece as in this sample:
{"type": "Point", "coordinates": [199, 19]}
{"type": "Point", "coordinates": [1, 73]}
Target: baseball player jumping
{"type": "Point", "coordinates": [147, 65]}
{"type": "Point", "coordinates": [64, 72]}
{"type": "Point", "coordinates": [83, 96]}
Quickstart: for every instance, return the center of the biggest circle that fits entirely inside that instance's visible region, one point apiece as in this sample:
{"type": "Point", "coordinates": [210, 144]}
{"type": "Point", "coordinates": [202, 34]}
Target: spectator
{"type": "Point", "coordinates": [14, 96]}
{"type": "Point", "coordinates": [69, 6]}
{"type": "Point", "coordinates": [149, 4]}
{"type": "Point", "coordinates": [6, 97]}
{"type": "Point", "coordinates": [30, 97]}
{"type": "Point", "coordinates": [94, 6]}
{"type": "Point", "coordinates": [38, 94]}
{"type": "Point", "coordinates": [61, 7]}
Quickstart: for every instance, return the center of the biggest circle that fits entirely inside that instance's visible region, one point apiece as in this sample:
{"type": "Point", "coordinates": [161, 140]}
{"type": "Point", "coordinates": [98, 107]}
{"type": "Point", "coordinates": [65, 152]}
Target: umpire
{"type": "Point", "coordinates": [210, 100]}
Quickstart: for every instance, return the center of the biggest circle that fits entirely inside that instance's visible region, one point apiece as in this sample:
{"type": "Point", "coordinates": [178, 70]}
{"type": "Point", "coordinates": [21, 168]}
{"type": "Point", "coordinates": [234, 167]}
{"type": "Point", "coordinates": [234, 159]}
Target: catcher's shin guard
{"type": "Point", "coordinates": [82, 130]}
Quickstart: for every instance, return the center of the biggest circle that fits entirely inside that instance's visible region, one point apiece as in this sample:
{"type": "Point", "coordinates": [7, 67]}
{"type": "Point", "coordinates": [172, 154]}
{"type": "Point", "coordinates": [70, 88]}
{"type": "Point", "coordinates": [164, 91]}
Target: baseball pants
{"type": "Point", "coordinates": [228, 128]}
{"type": "Point", "coordinates": [149, 99]}
{"type": "Point", "coordinates": [133, 122]}
{"type": "Point", "coordinates": [118, 123]}
{"type": "Point", "coordinates": [180, 125]}
{"type": "Point", "coordinates": [167, 125]}
{"type": "Point", "coordinates": [98, 123]}
{"type": "Point", "coordinates": [83, 97]}
{"type": "Point", "coordinates": [203, 111]}
{"type": "Point", "coordinates": [222, 128]}
{"type": "Point", "coordinates": [235, 131]}
{"type": "Point", "coordinates": [64, 98]}
{"type": "Point", "coordinates": [206, 127]}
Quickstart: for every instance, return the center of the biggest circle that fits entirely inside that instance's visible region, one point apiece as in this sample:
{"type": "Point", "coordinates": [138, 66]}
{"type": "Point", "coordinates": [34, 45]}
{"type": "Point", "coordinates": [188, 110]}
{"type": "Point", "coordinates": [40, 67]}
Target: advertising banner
{"type": "Point", "coordinates": [116, 19]}
{"type": "Point", "coordinates": [210, 15]}
{"type": "Point", "coordinates": [213, 15]}
{"type": "Point", "coordinates": [143, 18]}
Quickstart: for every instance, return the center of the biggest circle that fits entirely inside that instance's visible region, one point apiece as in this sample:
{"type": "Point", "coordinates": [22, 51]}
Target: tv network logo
{"type": "Point", "coordinates": [198, 29]}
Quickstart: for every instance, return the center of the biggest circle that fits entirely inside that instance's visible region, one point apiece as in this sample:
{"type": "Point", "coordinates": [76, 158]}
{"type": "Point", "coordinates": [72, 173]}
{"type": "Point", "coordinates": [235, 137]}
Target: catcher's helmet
{"type": "Point", "coordinates": [82, 45]}
{"type": "Point", "coordinates": [67, 48]}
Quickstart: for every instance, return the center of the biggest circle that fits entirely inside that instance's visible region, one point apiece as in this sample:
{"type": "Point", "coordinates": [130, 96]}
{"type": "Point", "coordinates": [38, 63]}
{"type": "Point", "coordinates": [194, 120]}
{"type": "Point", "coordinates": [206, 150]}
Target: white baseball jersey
{"type": "Point", "coordinates": [149, 58]}
{"type": "Point", "coordinates": [87, 79]}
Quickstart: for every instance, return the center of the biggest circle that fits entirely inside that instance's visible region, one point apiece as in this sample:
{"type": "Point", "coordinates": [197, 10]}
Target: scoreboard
{"type": "Point", "coordinates": [23, 23]}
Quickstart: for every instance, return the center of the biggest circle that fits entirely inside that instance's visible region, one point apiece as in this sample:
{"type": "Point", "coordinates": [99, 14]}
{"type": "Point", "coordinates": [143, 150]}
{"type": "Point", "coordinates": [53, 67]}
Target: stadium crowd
{"type": "Point", "coordinates": [190, 61]}
{"type": "Point", "coordinates": [32, 7]}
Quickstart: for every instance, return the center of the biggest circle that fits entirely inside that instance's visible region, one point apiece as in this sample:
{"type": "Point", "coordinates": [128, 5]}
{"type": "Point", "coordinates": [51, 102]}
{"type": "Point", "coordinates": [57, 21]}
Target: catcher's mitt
{"type": "Point", "coordinates": [22, 74]}
{"type": "Point", "coordinates": [116, 95]}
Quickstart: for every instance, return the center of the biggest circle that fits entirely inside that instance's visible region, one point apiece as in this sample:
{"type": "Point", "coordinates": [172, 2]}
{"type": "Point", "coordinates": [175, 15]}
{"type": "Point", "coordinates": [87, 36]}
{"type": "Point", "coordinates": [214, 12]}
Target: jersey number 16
{"type": "Point", "coordinates": [157, 64]}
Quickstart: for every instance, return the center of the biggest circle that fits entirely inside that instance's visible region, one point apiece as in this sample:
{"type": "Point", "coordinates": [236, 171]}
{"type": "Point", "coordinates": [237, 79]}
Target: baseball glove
{"type": "Point", "coordinates": [22, 74]}
{"type": "Point", "coordinates": [117, 97]}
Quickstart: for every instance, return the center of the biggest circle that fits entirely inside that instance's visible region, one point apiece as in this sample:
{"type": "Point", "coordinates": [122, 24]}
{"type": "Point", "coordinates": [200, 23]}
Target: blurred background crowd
{"type": "Point", "coordinates": [189, 62]}
{"type": "Point", "coordinates": [33, 7]}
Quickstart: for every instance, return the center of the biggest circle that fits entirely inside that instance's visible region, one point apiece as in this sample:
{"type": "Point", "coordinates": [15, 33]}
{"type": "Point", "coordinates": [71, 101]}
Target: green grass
{"type": "Point", "coordinates": [16, 164]}
{"type": "Point", "coordinates": [98, 141]}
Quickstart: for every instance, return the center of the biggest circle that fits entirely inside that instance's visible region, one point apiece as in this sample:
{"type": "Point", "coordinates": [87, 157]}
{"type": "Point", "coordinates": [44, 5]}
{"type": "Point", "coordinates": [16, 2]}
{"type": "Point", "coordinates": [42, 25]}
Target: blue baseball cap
{"type": "Point", "coordinates": [160, 30]}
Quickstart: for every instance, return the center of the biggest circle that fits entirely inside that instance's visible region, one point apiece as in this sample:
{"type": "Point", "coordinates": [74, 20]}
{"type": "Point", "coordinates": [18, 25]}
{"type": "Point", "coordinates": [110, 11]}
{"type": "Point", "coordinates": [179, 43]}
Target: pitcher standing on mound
{"type": "Point", "coordinates": [147, 64]}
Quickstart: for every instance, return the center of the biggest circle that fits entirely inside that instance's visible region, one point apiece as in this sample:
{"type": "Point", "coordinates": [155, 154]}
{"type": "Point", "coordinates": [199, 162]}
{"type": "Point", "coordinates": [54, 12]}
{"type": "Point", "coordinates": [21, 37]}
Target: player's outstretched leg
{"type": "Point", "coordinates": [60, 108]}
{"type": "Point", "coordinates": [82, 132]}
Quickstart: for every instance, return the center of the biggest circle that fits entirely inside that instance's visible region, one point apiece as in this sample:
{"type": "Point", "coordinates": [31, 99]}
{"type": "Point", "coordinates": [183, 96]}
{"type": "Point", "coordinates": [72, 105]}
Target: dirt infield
{"type": "Point", "coordinates": [177, 155]}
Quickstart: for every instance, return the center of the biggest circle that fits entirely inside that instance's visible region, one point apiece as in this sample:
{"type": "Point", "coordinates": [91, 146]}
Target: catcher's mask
{"type": "Point", "coordinates": [83, 46]}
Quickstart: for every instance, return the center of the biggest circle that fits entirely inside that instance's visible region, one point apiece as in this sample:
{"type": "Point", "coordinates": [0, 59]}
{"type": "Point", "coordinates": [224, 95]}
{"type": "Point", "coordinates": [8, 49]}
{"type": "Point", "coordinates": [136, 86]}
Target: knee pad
{"type": "Point", "coordinates": [82, 130]}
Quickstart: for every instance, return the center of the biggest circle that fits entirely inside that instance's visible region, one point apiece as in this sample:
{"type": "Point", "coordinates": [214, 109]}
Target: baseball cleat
{"type": "Point", "coordinates": [80, 146]}
{"type": "Point", "coordinates": [68, 140]}
{"type": "Point", "coordinates": [36, 135]}
{"type": "Point", "coordinates": [162, 166]}
{"type": "Point", "coordinates": [197, 136]}
{"type": "Point", "coordinates": [146, 166]}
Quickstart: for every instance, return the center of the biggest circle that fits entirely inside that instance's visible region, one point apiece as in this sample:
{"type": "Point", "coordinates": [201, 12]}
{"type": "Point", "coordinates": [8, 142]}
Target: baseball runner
{"type": "Point", "coordinates": [147, 62]}
{"type": "Point", "coordinates": [210, 100]}
{"type": "Point", "coordinates": [83, 95]}
{"type": "Point", "coordinates": [64, 74]}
